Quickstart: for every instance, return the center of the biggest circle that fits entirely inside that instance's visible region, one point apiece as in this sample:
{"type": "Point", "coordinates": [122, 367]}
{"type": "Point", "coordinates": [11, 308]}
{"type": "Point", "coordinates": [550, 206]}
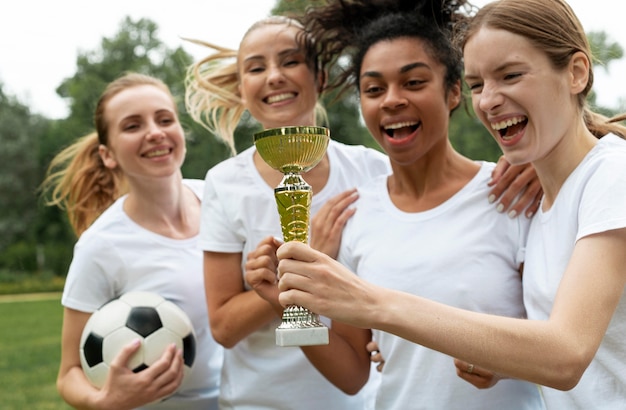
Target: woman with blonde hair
{"type": "Point", "coordinates": [275, 77]}
{"type": "Point", "coordinates": [137, 220]}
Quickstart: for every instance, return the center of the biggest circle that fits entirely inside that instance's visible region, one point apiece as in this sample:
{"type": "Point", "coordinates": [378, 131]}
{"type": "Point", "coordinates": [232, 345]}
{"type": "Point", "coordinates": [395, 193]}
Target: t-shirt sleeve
{"type": "Point", "coordinates": [90, 279]}
{"type": "Point", "coordinates": [216, 228]}
{"type": "Point", "coordinates": [603, 203]}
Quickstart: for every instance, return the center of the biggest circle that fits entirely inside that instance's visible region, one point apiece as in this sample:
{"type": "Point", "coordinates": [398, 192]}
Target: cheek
{"type": "Point", "coordinates": [369, 112]}
{"type": "Point", "coordinates": [480, 114]}
{"type": "Point", "coordinates": [246, 90]}
{"type": "Point", "coordinates": [476, 107]}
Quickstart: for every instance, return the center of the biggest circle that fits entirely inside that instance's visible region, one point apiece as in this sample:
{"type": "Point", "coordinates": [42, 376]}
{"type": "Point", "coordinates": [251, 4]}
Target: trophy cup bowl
{"type": "Point", "coordinates": [292, 151]}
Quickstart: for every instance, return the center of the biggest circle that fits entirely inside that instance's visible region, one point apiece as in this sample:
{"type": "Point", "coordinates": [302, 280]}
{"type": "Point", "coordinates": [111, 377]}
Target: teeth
{"type": "Point", "coordinates": [280, 97]}
{"type": "Point", "coordinates": [157, 153]}
{"type": "Point", "coordinates": [400, 125]}
{"type": "Point", "coordinates": [504, 124]}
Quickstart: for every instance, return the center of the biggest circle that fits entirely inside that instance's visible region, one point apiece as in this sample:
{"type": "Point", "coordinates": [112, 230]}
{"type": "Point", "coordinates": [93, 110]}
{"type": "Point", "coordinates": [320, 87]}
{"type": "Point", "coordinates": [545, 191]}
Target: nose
{"type": "Point", "coordinates": [275, 75]}
{"type": "Point", "coordinates": [393, 99]}
{"type": "Point", "coordinates": [154, 132]}
{"type": "Point", "coordinates": [489, 98]}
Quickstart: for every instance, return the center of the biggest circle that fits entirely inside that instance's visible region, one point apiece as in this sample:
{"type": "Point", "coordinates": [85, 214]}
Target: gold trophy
{"type": "Point", "coordinates": [292, 151]}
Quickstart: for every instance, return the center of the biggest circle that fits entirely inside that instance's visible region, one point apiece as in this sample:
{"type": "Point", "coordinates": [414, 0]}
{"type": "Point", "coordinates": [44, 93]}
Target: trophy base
{"type": "Point", "coordinates": [305, 336]}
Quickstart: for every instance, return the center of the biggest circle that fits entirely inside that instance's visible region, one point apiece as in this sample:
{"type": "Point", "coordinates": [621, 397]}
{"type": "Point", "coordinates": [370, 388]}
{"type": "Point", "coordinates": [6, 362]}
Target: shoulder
{"type": "Point", "coordinates": [358, 156]}
{"type": "Point", "coordinates": [196, 186]}
{"type": "Point", "coordinates": [228, 168]}
{"type": "Point", "coordinates": [108, 221]}
{"type": "Point", "coordinates": [606, 160]}
{"type": "Point", "coordinates": [356, 151]}
{"type": "Point", "coordinates": [610, 147]}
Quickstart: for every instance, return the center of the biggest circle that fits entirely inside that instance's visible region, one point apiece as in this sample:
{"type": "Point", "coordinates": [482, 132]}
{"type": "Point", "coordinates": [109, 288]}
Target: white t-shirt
{"type": "Point", "coordinates": [240, 210]}
{"type": "Point", "coordinates": [592, 200]}
{"type": "Point", "coordinates": [462, 253]}
{"type": "Point", "coordinates": [115, 255]}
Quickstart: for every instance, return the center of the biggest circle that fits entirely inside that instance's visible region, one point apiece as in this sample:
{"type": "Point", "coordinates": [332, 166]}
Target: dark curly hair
{"type": "Point", "coordinates": [344, 30]}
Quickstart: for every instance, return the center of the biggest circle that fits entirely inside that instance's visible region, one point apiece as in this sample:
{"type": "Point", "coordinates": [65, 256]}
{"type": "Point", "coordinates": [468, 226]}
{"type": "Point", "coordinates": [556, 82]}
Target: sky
{"type": "Point", "coordinates": [40, 39]}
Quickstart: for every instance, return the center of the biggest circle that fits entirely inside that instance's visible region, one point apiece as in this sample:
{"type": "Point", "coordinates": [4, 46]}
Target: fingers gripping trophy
{"type": "Point", "coordinates": [292, 151]}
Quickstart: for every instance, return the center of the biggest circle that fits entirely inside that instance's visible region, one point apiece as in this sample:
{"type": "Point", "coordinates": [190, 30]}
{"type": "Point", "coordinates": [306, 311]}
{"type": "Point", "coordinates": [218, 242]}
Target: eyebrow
{"type": "Point", "coordinates": [283, 53]}
{"type": "Point", "coordinates": [499, 69]}
{"type": "Point", "coordinates": [403, 69]}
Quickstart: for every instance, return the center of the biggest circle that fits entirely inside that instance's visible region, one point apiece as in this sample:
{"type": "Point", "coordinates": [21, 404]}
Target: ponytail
{"type": "Point", "coordinates": [599, 125]}
{"type": "Point", "coordinates": [78, 182]}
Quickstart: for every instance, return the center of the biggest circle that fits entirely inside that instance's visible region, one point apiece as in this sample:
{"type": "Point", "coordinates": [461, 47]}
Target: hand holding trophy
{"type": "Point", "coordinates": [292, 151]}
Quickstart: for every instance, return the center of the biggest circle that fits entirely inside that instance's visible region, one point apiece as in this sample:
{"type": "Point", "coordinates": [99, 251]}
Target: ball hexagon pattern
{"type": "Point", "coordinates": [146, 316]}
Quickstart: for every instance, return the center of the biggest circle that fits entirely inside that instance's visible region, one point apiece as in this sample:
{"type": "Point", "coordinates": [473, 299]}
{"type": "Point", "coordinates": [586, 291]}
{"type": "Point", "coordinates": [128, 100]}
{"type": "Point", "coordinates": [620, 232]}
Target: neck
{"type": "Point", "coordinates": [430, 181]}
{"type": "Point", "coordinates": [555, 167]}
{"type": "Point", "coordinates": [165, 207]}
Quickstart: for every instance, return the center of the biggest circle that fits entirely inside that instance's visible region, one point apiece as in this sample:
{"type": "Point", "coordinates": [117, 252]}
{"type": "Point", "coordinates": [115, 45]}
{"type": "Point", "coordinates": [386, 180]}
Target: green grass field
{"type": "Point", "coordinates": [30, 342]}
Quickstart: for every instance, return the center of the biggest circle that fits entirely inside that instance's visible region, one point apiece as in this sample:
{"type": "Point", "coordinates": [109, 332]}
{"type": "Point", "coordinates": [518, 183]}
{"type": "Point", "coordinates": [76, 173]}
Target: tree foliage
{"type": "Point", "coordinates": [18, 169]}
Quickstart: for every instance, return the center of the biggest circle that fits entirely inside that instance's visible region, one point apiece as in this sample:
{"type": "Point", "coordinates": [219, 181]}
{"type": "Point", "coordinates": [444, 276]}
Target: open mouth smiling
{"type": "Point", "coordinates": [509, 128]}
{"type": "Point", "coordinates": [401, 129]}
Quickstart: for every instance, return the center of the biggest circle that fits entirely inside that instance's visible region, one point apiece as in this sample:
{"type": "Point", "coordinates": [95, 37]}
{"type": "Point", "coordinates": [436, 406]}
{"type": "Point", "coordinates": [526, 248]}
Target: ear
{"type": "Point", "coordinates": [579, 72]}
{"type": "Point", "coordinates": [454, 96]}
{"type": "Point", "coordinates": [107, 157]}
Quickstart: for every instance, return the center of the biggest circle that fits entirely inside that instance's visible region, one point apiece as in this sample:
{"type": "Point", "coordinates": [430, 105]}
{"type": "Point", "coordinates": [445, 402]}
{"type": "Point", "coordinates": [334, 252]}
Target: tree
{"type": "Point", "coordinates": [19, 176]}
{"type": "Point", "coordinates": [136, 48]}
{"type": "Point", "coordinates": [18, 168]}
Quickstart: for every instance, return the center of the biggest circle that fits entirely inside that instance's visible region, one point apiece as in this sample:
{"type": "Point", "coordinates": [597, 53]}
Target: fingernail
{"type": "Point", "coordinates": [492, 198]}
{"type": "Point", "coordinates": [529, 215]}
{"type": "Point", "coordinates": [500, 208]}
{"type": "Point", "coordinates": [512, 214]}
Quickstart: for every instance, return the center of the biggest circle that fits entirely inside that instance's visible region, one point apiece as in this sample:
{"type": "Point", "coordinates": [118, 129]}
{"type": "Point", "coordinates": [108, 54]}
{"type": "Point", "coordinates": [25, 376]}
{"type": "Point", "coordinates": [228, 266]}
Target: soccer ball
{"type": "Point", "coordinates": [147, 316]}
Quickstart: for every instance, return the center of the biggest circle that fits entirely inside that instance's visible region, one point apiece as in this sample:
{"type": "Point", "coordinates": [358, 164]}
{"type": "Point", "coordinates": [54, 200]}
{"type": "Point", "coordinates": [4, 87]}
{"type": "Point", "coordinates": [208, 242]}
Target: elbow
{"type": "Point", "coordinates": [353, 385]}
{"type": "Point", "coordinates": [566, 380]}
{"type": "Point", "coordinates": [223, 338]}
{"type": "Point", "coordinates": [352, 390]}
{"type": "Point", "coordinates": [567, 375]}
{"type": "Point", "coordinates": [223, 335]}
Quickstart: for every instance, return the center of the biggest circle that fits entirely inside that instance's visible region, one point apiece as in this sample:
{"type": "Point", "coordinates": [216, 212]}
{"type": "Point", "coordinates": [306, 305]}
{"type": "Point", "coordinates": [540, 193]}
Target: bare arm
{"type": "Point", "coordinates": [123, 388]}
{"type": "Point", "coordinates": [554, 352]}
{"type": "Point", "coordinates": [234, 311]}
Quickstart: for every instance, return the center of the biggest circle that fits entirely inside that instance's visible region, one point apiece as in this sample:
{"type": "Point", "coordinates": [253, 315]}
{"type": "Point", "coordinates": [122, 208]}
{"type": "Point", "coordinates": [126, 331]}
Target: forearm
{"type": "Point", "coordinates": [344, 365]}
{"type": "Point", "coordinates": [74, 388]}
{"type": "Point", "coordinates": [240, 316]}
{"type": "Point", "coordinates": [520, 348]}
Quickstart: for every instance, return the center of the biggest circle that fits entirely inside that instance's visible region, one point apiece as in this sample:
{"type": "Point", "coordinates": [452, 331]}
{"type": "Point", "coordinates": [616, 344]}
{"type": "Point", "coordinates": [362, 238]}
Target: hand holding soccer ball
{"type": "Point", "coordinates": [144, 317]}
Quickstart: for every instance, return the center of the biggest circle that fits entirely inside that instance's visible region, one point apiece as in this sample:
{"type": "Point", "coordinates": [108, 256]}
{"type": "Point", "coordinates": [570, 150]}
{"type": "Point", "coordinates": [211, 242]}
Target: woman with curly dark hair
{"type": "Point", "coordinates": [425, 229]}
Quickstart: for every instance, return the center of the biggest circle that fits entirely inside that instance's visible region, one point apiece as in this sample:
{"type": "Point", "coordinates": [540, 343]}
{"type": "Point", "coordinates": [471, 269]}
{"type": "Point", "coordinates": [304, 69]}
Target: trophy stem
{"type": "Point", "coordinates": [300, 326]}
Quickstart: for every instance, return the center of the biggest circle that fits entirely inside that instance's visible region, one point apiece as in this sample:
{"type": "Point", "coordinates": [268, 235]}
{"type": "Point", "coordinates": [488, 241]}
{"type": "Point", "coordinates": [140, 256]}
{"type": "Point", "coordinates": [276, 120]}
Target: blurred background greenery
{"type": "Point", "coordinates": [36, 241]}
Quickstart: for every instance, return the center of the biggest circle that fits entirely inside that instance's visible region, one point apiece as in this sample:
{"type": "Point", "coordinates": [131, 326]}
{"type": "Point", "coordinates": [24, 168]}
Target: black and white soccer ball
{"type": "Point", "coordinates": [147, 316]}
